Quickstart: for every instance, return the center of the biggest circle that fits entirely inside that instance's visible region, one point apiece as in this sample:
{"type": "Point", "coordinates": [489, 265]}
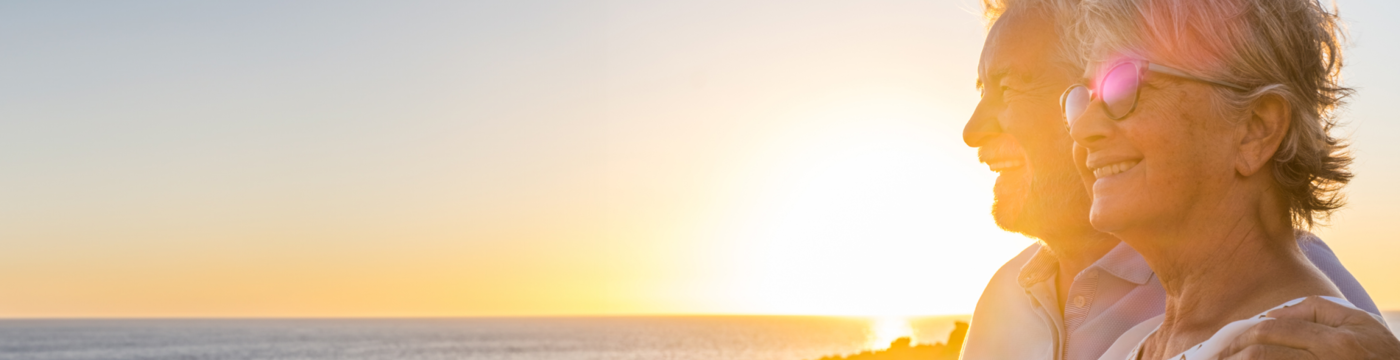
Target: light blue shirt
{"type": "Point", "coordinates": [1018, 315]}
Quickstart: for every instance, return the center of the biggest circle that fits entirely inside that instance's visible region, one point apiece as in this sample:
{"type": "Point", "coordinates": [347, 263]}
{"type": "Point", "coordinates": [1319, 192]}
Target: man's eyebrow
{"type": "Point", "coordinates": [991, 77]}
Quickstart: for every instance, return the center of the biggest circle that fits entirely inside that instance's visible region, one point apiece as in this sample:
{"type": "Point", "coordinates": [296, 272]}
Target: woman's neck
{"type": "Point", "coordinates": [1218, 269]}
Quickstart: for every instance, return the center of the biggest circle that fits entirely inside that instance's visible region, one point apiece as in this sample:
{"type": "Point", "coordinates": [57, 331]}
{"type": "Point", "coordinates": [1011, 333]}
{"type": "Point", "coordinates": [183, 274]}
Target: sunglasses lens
{"type": "Point", "coordinates": [1119, 89]}
{"type": "Point", "coordinates": [1076, 100]}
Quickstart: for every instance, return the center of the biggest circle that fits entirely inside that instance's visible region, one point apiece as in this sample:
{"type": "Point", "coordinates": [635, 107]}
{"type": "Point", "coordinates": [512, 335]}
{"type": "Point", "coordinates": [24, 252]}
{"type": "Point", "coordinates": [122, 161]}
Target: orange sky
{"type": "Point", "coordinates": [531, 158]}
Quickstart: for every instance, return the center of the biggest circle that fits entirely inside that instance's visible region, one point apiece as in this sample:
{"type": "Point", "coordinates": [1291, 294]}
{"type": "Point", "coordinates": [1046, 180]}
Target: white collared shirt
{"type": "Point", "coordinates": [1129, 346]}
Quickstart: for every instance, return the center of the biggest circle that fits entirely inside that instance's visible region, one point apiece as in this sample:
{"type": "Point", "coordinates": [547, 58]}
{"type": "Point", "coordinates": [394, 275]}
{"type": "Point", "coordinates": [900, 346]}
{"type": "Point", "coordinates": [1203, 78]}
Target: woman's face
{"type": "Point", "coordinates": [1170, 155]}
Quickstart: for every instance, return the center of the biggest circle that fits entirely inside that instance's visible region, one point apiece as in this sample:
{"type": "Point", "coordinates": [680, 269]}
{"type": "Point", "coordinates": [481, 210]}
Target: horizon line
{"type": "Point", "coordinates": [425, 317]}
{"type": "Point", "coordinates": [487, 316]}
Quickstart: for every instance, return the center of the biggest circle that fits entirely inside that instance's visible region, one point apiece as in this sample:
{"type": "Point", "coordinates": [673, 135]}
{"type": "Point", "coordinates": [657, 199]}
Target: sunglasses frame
{"type": "Point", "coordinates": [1142, 67]}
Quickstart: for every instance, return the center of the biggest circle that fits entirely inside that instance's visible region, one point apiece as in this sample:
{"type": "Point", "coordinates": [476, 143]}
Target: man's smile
{"type": "Point", "coordinates": [1005, 165]}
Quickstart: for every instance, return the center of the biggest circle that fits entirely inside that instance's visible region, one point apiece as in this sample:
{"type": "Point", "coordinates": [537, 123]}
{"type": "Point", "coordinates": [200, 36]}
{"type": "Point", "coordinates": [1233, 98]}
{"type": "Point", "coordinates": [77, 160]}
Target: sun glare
{"type": "Point", "coordinates": [885, 330]}
{"type": "Point", "coordinates": [872, 208]}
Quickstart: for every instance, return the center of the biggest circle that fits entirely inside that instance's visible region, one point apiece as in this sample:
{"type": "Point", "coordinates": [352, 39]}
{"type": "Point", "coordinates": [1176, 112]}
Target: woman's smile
{"type": "Point", "coordinates": [1114, 168]}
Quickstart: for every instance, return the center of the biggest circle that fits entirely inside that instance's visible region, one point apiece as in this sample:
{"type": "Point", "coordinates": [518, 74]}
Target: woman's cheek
{"type": "Point", "coordinates": [1081, 158]}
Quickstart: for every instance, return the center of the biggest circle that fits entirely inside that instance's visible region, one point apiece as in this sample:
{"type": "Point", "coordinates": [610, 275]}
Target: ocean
{"type": "Point", "coordinates": [574, 338]}
{"type": "Point", "coordinates": [564, 338]}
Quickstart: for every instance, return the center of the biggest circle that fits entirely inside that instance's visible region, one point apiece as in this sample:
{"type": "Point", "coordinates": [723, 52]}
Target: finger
{"type": "Point", "coordinates": [1291, 333]}
{"type": "Point", "coordinates": [1270, 352]}
{"type": "Point", "coordinates": [1323, 311]}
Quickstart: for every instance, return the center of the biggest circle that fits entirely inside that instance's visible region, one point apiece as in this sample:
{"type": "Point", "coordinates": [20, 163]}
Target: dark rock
{"type": "Point", "coordinates": [901, 349]}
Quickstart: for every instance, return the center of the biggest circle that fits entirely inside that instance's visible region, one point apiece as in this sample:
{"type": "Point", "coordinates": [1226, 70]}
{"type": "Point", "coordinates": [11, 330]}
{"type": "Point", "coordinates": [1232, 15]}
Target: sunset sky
{"type": "Point", "coordinates": [414, 158]}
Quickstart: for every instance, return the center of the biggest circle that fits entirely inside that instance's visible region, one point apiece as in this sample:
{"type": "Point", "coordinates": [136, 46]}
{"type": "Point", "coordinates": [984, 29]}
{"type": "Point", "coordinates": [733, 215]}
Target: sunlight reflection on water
{"type": "Point", "coordinates": [884, 330]}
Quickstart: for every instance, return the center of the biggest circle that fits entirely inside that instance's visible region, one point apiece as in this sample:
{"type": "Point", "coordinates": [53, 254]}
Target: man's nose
{"type": "Point", "coordinates": [984, 124]}
{"type": "Point", "coordinates": [1092, 127]}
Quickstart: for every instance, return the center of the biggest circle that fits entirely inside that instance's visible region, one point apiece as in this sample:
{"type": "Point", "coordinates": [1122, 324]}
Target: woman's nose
{"type": "Point", "coordinates": [1092, 127]}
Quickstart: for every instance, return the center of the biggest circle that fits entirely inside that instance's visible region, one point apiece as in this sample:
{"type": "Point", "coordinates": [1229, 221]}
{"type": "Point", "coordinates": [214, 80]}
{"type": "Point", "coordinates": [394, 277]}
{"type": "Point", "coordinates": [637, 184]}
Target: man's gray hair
{"type": "Point", "coordinates": [1060, 12]}
{"type": "Point", "coordinates": [1285, 48]}
{"type": "Point", "coordinates": [994, 9]}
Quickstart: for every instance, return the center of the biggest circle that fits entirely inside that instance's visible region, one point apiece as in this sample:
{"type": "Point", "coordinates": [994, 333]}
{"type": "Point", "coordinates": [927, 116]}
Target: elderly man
{"type": "Point", "coordinates": [1072, 294]}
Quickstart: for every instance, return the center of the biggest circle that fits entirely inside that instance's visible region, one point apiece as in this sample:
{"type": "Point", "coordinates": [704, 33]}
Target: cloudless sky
{"type": "Point", "coordinates": [418, 158]}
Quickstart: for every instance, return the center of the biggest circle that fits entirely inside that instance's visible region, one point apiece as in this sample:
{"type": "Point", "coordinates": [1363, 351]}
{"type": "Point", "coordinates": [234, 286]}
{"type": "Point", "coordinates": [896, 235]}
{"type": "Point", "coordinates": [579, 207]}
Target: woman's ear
{"type": "Point", "coordinates": [1268, 123]}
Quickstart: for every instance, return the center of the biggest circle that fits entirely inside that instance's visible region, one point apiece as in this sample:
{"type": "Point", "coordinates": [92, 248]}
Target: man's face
{"type": "Point", "coordinates": [1020, 133]}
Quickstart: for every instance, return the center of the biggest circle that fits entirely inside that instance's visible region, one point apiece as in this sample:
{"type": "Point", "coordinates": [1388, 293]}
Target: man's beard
{"type": "Point", "coordinates": [1046, 202]}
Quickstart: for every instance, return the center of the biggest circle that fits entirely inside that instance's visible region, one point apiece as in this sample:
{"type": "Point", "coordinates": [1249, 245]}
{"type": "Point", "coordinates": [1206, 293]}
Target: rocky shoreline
{"type": "Point", "coordinates": [903, 349]}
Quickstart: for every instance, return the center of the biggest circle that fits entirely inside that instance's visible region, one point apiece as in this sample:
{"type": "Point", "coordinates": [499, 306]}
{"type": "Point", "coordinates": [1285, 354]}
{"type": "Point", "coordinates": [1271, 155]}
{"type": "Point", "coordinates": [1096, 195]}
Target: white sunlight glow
{"type": "Point", "coordinates": [884, 330]}
{"type": "Point", "coordinates": [869, 207]}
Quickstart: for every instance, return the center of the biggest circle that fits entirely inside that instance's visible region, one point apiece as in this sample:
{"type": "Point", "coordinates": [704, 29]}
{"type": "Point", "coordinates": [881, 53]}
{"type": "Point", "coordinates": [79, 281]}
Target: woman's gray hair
{"type": "Point", "coordinates": [1285, 48]}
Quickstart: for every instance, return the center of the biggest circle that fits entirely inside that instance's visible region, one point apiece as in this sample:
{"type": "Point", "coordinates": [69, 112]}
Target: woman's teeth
{"type": "Point", "coordinates": [1113, 169]}
{"type": "Point", "coordinates": [1003, 165]}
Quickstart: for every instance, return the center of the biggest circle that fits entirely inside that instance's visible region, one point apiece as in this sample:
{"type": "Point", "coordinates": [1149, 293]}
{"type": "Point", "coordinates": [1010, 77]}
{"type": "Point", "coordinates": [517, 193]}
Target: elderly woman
{"type": "Point", "coordinates": [1203, 134]}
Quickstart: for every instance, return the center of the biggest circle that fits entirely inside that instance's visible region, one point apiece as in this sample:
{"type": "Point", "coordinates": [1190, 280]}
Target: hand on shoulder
{"type": "Point", "coordinates": [1316, 329]}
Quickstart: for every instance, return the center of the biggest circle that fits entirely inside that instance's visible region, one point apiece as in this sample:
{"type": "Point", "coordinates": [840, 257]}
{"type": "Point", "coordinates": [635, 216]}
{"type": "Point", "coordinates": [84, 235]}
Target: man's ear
{"type": "Point", "coordinates": [1268, 123]}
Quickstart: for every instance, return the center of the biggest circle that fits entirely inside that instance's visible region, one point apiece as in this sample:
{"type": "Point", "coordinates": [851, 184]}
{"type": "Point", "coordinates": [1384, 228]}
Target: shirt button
{"type": "Point", "coordinates": [1079, 301]}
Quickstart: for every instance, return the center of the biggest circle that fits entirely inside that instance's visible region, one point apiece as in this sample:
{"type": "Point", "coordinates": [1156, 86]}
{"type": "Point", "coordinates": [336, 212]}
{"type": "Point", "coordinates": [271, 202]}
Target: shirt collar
{"type": "Point", "coordinates": [1040, 267]}
{"type": "Point", "coordinates": [1125, 263]}
{"type": "Point", "coordinates": [1122, 261]}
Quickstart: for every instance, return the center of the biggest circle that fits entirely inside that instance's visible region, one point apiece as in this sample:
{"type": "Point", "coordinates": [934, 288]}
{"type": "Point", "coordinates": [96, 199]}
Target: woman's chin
{"type": "Point", "coordinates": [1105, 218]}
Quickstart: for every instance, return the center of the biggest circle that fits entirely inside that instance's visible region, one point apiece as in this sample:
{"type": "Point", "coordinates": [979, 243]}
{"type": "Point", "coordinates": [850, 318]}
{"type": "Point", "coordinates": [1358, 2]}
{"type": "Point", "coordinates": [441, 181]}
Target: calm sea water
{"type": "Point", "coordinates": [639, 338]}
{"type": "Point", "coordinates": [624, 338]}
